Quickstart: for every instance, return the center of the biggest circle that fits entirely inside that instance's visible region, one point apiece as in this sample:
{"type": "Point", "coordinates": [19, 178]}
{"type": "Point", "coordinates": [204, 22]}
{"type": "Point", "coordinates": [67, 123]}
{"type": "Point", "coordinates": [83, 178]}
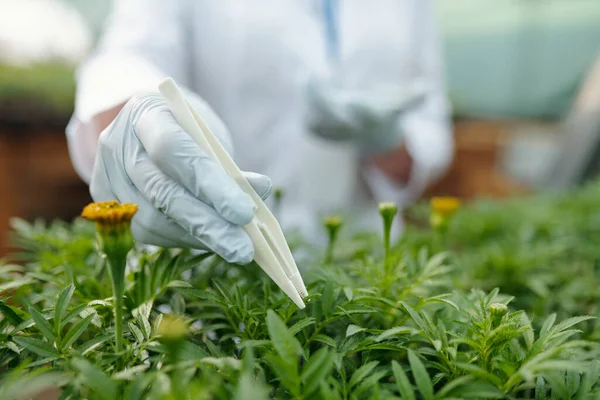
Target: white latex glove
{"type": "Point", "coordinates": [370, 118]}
{"type": "Point", "coordinates": [185, 198]}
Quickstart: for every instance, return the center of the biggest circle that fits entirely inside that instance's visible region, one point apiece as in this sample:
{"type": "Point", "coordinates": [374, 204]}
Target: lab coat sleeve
{"type": "Point", "coordinates": [426, 128]}
{"type": "Point", "coordinates": [144, 41]}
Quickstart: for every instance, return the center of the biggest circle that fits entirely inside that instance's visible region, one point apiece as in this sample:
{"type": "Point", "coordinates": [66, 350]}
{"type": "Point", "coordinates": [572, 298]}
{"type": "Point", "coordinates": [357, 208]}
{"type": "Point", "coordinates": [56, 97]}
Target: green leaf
{"type": "Point", "coordinates": [12, 346]}
{"type": "Point", "coordinates": [540, 387]}
{"type": "Point", "coordinates": [137, 390]}
{"type": "Point", "coordinates": [477, 390]}
{"type": "Point", "coordinates": [441, 299]}
{"type": "Point", "coordinates": [590, 377]}
{"type": "Point", "coordinates": [10, 314]}
{"type": "Point", "coordinates": [325, 340]}
{"type": "Point", "coordinates": [288, 376]}
{"type": "Point", "coordinates": [370, 382]}
{"type": "Point", "coordinates": [548, 323]}
{"type": "Point", "coordinates": [61, 306]}
{"type": "Point", "coordinates": [42, 324]}
{"type": "Point", "coordinates": [250, 388]}
{"type": "Point", "coordinates": [362, 373]}
{"type": "Point", "coordinates": [284, 342]}
{"type": "Point", "coordinates": [94, 343]}
{"type": "Point", "coordinates": [354, 329]}
{"type": "Point", "coordinates": [316, 369]}
{"type": "Point", "coordinates": [404, 386]}
{"type": "Point", "coordinates": [15, 284]}
{"type": "Point", "coordinates": [96, 380]}
{"type": "Point", "coordinates": [76, 331]}
{"type": "Point", "coordinates": [137, 333]}
{"type": "Point", "coordinates": [37, 346]}
{"type": "Point", "coordinates": [73, 312]}
{"type": "Point", "coordinates": [421, 376]}
{"type": "Point", "coordinates": [348, 293]}
{"type": "Point", "coordinates": [129, 373]}
{"type": "Point", "coordinates": [201, 294]}
{"type": "Point", "coordinates": [398, 330]}
{"type": "Point", "coordinates": [303, 323]}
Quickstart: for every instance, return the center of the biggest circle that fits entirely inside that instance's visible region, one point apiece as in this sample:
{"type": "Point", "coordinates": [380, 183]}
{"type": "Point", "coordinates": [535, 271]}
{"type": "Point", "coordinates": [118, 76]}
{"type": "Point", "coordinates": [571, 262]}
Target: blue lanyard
{"type": "Point", "coordinates": [330, 8]}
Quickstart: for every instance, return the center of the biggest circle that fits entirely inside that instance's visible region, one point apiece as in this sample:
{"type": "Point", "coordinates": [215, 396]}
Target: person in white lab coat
{"type": "Point", "coordinates": [340, 104]}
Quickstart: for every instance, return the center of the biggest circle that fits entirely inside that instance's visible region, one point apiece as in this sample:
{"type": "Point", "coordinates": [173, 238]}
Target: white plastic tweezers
{"type": "Point", "coordinates": [271, 251]}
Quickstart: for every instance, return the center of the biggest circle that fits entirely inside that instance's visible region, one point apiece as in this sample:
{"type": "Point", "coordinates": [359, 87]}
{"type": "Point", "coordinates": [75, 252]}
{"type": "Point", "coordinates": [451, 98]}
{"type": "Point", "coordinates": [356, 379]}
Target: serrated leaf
{"type": "Point", "coordinates": [201, 294]}
{"type": "Point", "coordinates": [570, 322]}
{"type": "Point", "coordinates": [362, 373]}
{"type": "Point", "coordinates": [179, 284]}
{"type": "Point", "coordinates": [303, 323]}
{"type": "Point", "coordinates": [370, 382]}
{"type": "Point", "coordinates": [144, 325]}
{"type": "Point", "coordinates": [96, 380]}
{"type": "Point", "coordinates": [76, 331]}
{"type": "Point", "coordinates": [284, 342]}
{"type": "Point", "coordinates": [398, 330]}
{"type": "Point", "coordinates": [590, 377]}
{"type": "Point", "coordinates": [325, 340]}
{"type": "Point", "coordinates": [404, 386]}
{"type": "Point", "coordinates": [548, 323]}
{"type": "Point", "coordinates": [540, 385]}
{"type": "Point", "coordinates": [75, 311]}
{"type": "Point", "coordinates": [12, 346]}
{"type": "Point", "coordinates": [61, 306]}
{"type": "Point", "coordinates": [37, 346]}
{"type": "Point", "coordinates": [42, 324]}
{"type": "Point", "coordinates": [137, 333]}
{"type": "Point", "coordinates": [421, 376]}
{"type": "Point", "coordinates": [94, 343]}
{"type": "Point", "coordinates": [441, 299]}
{"type": "Point", "coordinates": [354, 329]}
{"type": "Point", "coordinates": [318, 366]}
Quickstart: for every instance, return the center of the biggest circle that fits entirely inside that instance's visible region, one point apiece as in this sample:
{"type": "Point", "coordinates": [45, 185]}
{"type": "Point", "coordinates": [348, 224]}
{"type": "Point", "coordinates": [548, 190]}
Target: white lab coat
{"type": "Point", "coordinates": [250, 60]}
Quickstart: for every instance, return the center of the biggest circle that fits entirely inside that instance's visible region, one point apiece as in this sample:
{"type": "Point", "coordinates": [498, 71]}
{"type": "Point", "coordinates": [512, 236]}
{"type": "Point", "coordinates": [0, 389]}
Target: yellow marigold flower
{"type": "Point", "coordinates": [109, 212]}
{"type": "Point", "coordinates": [113, 221]}
{"type": "Point", "coordinates": [445, 206]}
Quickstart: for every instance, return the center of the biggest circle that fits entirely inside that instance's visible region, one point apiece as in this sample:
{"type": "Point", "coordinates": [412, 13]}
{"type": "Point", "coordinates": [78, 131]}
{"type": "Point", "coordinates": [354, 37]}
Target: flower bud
{"type": "Point", "coordinates": [388, 210]}
{"type": "Point", "coordinates": [442, 211]}
{"type": "Point", "coordinates": [332, 225]}
{"type": "Point", "coordinates": [172, 333]}
{"type": "Point", "coordinates": [498, 309]}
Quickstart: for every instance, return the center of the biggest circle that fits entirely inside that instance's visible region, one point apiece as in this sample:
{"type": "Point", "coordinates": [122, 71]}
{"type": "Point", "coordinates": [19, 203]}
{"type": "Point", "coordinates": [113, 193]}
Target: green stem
{"type": "Point", "coordinates": [118, 287]}
{"type": "Point", "coordinates": [329, 253]}
{"type": "Point", "coordinates": [386, 243]}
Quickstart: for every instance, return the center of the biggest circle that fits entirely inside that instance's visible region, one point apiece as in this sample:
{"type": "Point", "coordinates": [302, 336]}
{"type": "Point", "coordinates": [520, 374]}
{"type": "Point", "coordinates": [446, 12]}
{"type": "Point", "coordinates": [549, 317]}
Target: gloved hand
{"type": "Point", "coordinates": [369, 118]}
{"type": "Point", "coordinates": [185, 198]}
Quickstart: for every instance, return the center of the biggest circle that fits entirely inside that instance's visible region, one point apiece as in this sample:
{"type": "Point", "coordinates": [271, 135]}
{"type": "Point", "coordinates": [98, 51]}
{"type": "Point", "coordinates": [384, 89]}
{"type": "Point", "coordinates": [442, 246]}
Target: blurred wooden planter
{"type": "Point", "coordinates": [37, 178]}
{"type": "Point", "coordinates": [474, 171]}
